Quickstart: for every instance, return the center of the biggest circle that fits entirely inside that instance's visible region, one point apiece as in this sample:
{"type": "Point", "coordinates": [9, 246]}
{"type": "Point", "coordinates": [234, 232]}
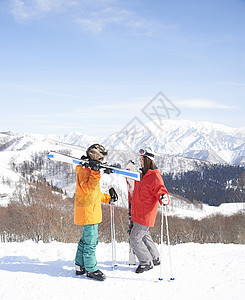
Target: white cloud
{"type": "Point", "coordinates": [25, 10]}
{"type": "Point", "coordinates": [202, 103]}
{"type": "Point", "coordinates": [91, 16]}
{"type": "Point", "coordinates": [96, 20]}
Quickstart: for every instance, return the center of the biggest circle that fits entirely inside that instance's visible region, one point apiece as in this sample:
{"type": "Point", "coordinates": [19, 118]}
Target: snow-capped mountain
{"type": "Point", "coordinates": [180, 146]}
{"type": "Point", "coordinates": [201, 140]}
{"type": "Point", "coordinates": [11, 141]}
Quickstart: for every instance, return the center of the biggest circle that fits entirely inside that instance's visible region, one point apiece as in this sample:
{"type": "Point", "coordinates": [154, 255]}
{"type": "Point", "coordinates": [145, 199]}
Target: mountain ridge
{"type": "Point", "coordinates": [211, 142]}
{"type": "Point", "coordinates": [179, 146]}
{"type": "Point", "coordinates": [215, 143]}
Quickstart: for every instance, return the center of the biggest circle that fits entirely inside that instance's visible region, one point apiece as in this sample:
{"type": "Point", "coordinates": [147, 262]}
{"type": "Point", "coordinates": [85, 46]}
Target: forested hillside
{"type": "Point", "coordinates": [210, 184]}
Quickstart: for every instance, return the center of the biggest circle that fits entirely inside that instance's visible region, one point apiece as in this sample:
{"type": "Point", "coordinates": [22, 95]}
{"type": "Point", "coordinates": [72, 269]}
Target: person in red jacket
{"type": "Point", "coordinates": [147, 195]}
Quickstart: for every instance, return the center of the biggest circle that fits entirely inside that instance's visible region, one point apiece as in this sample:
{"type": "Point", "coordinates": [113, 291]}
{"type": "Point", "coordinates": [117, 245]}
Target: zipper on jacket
{"type": "Point", "coordinates": [140, 186]}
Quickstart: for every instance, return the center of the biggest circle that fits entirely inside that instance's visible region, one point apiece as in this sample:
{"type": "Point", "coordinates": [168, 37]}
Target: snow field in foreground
{"type": "Point", "coordinates": [31, 270]}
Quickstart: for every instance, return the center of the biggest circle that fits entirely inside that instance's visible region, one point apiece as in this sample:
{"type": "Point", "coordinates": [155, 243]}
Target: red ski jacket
{"type": "Point", "coordinates": [146, 197]}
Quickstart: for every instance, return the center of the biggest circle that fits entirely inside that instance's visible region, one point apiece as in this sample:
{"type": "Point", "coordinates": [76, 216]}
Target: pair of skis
{"type": "Point", "coordinates": [107, 168]}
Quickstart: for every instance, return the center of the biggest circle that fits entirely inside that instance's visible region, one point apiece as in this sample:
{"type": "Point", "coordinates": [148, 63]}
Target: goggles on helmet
{"type": "Point", "coordinates": [104, 153]}
{"type": "Point", "coordinates": [144, 152]}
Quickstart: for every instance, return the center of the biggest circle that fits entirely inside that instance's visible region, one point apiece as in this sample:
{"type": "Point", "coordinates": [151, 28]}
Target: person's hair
{"type": "Point", "coordinates": [148, 164]}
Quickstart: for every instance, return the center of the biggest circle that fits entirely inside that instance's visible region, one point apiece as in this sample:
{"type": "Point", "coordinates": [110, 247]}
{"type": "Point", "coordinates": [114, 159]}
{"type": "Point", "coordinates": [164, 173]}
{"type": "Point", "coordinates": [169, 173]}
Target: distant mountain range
{"type": "Point", "coordinates": [204, 141]}
{"type": "Point", "coordinates": [180, 146]}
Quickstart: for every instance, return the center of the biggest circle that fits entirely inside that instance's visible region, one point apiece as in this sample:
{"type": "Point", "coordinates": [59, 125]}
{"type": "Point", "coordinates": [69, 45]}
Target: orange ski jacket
{"type": "Point", "coordinates": [146, 197]}
{"type": "Point", "coordinates": [88, 197]}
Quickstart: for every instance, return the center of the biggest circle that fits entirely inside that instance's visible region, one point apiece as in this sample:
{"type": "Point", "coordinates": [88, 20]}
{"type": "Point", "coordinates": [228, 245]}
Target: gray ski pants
{"type": "Point", "coordinates": [142, 244]}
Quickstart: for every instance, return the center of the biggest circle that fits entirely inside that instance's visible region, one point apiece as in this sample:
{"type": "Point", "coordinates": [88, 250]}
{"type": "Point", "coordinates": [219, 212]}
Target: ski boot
{"type": "Point", "coordinates": [98, 275]}
{"type": "Point", "coordinates": [79, 270]}
{"type": "Point", "coordinates": [156, 262]}
{"type": "Point", "coordinates": [143, 268]}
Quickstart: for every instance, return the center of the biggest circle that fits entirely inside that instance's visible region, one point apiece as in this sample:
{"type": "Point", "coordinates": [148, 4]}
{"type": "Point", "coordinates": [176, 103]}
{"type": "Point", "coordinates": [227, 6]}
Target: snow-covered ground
{"type": "Point", "coordinates": [46, 271]}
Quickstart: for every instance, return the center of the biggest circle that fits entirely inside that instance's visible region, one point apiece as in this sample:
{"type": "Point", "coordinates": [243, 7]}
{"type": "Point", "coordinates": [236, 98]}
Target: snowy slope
{"type": "Point", "coordinates": [177, 207]}
{"type": "Point", "coordinates": [46, 271]}
{"type": "Point", "coordinates": [18, 148]}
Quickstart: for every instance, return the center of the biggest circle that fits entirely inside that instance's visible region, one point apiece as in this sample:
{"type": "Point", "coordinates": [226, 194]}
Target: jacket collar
{"type": "Point", "coordinates": [150, 172]}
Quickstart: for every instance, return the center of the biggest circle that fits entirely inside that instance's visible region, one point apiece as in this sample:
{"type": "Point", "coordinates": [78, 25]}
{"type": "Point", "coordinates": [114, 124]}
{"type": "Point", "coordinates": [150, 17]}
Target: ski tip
{"type": "Point", "coordinates": [172, 278]}
{"type": "Point", "coordinates": [160, 279]}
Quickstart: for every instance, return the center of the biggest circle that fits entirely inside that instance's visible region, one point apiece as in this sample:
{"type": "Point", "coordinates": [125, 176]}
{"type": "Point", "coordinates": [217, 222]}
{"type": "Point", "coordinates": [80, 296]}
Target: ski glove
{"type": "Point", "coordinates": [113, 194]}
{"type": "Point", "coordinates": [84, 164]}
{"type": "Point", "coordinates": [164, 199]}
{"type": "Point", "coordinates": [108, 170]}
{"type": "Point", "coordinates": [94, 165]}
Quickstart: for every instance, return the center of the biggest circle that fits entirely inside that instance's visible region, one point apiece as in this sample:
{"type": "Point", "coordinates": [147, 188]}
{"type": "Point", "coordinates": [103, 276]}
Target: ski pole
{"type": "Point", "coordinates": [113, 239]}
{"type": "Point", "coordinates": [161, 275]}
{"type": "Point", "coordinates": [170, 262]}
{"type": "Point", "coordinates": [131, 257]}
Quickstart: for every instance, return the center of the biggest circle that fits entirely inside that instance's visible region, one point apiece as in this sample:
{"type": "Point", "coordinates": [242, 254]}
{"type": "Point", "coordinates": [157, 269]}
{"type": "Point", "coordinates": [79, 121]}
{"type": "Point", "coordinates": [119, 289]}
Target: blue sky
{"type": "Point", "coordinates": [92, 66]}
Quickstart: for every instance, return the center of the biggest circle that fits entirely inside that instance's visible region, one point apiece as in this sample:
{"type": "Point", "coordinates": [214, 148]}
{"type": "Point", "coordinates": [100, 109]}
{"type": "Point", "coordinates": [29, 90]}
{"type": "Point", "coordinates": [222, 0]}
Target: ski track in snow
{"type": "Point", "coordinates": [31, 270]}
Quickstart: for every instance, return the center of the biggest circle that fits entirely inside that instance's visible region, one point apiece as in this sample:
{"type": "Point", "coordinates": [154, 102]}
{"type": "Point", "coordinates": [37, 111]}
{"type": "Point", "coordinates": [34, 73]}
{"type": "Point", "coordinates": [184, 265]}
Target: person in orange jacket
{"type": "Point", "coordinates": [147, 195]}
{"type": "Point", "coordinates": [87, 212]}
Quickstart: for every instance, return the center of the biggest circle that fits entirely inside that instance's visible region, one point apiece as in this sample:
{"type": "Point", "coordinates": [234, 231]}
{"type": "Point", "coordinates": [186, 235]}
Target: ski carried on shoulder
{"type": "Point", "coordinates": [56, 156]}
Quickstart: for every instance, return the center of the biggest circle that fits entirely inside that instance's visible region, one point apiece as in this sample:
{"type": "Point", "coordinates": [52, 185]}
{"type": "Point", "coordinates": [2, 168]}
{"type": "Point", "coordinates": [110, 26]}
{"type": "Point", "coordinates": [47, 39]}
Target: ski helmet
{"type": "Point", "coordinates": [146, 152]}
{"type": "Point", "coordinates": [96, 152]}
